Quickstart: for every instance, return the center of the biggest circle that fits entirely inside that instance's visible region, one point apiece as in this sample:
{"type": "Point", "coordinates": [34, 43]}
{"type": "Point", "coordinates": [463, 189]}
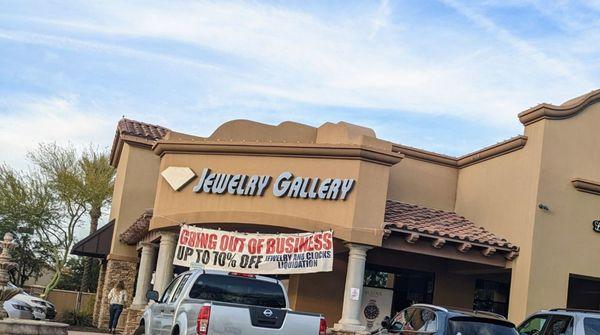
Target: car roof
{"type": "Point", "coordinates": [457, 311]}
{"type": "Point", "coordinates": [570, 311]}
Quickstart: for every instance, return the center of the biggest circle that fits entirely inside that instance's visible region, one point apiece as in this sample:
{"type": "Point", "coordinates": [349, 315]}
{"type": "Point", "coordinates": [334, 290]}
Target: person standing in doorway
{"type": "Point", "coordinates": [116, 298]}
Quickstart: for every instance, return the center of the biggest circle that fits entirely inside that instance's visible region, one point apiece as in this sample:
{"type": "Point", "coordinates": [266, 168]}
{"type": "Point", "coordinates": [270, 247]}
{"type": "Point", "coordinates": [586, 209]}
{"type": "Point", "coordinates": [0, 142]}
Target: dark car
{"type": "Point", "coordinates": [429, 319]}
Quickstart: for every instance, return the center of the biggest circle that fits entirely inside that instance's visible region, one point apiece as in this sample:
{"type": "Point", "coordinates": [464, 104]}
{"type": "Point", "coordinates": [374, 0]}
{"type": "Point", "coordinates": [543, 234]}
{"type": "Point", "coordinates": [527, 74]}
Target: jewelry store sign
{"type": "Point", "coordinates": [254, 253]}
{"type": "Point", "coordinates": [285, 184]}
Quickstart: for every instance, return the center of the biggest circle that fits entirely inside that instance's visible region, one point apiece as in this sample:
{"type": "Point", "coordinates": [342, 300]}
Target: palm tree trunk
{"type": "Point", "coordinates": [87, 267]}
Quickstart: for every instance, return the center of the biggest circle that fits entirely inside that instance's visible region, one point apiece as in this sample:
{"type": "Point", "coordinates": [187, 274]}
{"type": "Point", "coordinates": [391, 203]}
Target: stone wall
{"type": "Point", "coordinates": [132, 319]}
{"type": "Point", "coordinates": [115, 271]}
{"type": "Point", "coordinates": [99, 290]}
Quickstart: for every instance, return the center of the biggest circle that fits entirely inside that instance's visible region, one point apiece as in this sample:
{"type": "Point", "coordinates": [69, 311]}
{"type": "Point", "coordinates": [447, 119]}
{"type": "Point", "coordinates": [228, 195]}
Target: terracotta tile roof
{"type": "Point", "coordinates": [137, 230]}
{"type": "Point", "coordinates": [141, 129]}
{"type": "Point", "coordinates": [439, 223]}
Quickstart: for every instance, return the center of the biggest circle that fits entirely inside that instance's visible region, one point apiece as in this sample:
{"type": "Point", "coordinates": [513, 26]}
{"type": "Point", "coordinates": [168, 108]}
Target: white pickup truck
{"type": "Point", "coordinates": [217, 303]}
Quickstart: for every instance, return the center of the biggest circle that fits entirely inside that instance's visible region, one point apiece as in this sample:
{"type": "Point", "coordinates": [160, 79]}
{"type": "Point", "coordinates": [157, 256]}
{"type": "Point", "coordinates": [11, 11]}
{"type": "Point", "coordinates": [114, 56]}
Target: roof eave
{"type": "Point", "coordinates": [554, 112]}
{"type": "Point", "coordinates": [431, 245]}
{"type": "Point", "coordinates": [121, 139]}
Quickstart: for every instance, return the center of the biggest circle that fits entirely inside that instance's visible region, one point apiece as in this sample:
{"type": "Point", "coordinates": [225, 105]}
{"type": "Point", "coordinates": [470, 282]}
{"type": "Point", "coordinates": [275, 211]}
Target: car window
{"type": "Point", "coordinates": [169, 290]}
{"type": "Point", "coordinates": [591, 326]}
{"type": "Point", "coordinates": [534, 325]}
{"type": "Point", "coordinates": [422, 321]}
{"type": "Point", "coordinates": [180, 287]}
{"type": "Point", "coordinates": [238, 290]}
{"type": "Point", "coordinates": [479, 326]}
{"type": "Point", "coordinates": [401, 320]}
{"type": "Point", "coordinates": [559, 325]}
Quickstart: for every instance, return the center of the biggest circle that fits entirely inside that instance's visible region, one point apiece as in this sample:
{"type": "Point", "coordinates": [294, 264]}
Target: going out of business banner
{"type": "Point", "coordinates": [254, 253]}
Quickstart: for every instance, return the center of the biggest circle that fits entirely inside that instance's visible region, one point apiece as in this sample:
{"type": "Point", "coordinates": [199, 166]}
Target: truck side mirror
{"type": "Point", "coordinates": [385, 323]}
{"type": "Point", "coordinates": [152, 295]}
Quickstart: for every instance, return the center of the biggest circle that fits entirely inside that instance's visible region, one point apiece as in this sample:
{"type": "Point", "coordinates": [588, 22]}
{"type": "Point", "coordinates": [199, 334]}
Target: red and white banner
{"type": "Point", "coordinates": [254, 253]}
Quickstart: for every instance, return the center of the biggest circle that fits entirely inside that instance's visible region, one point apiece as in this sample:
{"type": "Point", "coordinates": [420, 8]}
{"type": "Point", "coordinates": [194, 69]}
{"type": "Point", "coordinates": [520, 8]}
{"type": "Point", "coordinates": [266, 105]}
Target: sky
{"type": "Point", "coordinates": [448, 76]}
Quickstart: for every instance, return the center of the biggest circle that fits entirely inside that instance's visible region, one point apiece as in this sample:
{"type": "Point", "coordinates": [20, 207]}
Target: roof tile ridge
{"type": "Point", "coordinates": [124, 119]}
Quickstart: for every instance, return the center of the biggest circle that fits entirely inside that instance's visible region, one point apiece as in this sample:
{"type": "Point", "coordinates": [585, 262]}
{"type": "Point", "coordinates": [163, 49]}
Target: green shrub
{"type": "Point", "coordinates": [78, 318]}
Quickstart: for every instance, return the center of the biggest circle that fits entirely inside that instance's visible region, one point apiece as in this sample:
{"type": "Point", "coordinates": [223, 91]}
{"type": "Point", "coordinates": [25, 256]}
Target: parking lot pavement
{"type": "Point", "coordinates": [72, 332]}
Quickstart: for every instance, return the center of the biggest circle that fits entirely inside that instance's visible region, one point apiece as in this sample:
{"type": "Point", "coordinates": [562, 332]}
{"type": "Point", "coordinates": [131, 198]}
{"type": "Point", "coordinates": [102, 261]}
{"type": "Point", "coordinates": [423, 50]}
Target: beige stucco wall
{"type": "Point", "coordinates": [359, 218]}
{"type": "Point", "coordinates": [503, 194]}
{"type": "Point", "coordinates": [564, 241]}
{"type": "Point", "coordinates": [423, 183]}
{"type": "Point", "coordinates": [135, 189]}
{"type": "Point", "coordinates": [500, 195]}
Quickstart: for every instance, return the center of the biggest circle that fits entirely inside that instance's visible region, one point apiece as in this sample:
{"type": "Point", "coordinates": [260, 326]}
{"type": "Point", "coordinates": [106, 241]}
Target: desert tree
{"type": "Point", "coordinates": [59, 168]}
{"type": "Point", "coordinates": [98, 183]}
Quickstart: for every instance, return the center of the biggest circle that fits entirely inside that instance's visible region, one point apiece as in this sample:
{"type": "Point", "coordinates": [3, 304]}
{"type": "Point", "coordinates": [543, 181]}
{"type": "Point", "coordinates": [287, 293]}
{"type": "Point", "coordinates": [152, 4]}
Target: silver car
{"type": "Point", "coordinates": [40, 309]}
{"type": "Point", "coordinates": [561, 321]}
{"type": "Point", "coordinates": [17, 309]}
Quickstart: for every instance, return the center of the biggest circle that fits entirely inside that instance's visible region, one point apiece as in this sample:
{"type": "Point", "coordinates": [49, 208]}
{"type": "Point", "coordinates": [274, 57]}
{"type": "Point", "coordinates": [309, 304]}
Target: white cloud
{"type": "Point", "coordinates": [26, 121]}
{"type": "Point", "coordinates": [252, 57]}
{"type": "Point", "coordinates": [79, 44]}
{"type": "Point", "coordinates": [363, 59]}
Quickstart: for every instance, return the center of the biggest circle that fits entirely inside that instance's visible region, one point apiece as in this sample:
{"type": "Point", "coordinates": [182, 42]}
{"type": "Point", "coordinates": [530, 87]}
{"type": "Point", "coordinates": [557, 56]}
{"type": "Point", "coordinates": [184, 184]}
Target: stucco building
{"type": "Point", "coordinates": [508, 228]}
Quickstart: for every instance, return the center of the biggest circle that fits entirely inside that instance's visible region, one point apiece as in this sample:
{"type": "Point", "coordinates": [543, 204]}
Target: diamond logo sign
{"type": "Point", "coordinates": [178, 177]}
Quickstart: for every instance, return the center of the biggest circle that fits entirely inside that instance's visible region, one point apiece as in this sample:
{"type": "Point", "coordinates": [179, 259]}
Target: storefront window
{"type": "Point", "coordinates": [491, 296]}
{"type": "Point", "coordinates": [379, 279]}
{"type": "Point", "coordinates": [412, 287]}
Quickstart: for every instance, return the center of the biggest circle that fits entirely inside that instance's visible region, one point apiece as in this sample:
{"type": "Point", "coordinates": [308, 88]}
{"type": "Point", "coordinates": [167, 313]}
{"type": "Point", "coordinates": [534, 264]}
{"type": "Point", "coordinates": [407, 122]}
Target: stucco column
{"type": "Point", "coordinates": [144, 275]}
{"type": "Point", "coordinates": [353, 290]}
{"type": "Point", "coordinates": [164, 265]}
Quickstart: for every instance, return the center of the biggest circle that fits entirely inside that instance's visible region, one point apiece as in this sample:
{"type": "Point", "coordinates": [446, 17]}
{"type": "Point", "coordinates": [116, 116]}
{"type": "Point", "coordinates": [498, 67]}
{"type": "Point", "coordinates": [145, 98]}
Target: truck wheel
{"type": "Point", "coordinates": [140, 330]}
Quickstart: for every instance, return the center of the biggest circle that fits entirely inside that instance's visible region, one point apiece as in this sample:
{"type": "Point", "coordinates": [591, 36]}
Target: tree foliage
{"type": "Point", "coordinates": [98, 179]}
{"type": "Point", "coordinates": [44, 206]}
{"type": "Point", "coordinates": [26, 203]}
{"type": "Point", "coordinates": [60, 170]}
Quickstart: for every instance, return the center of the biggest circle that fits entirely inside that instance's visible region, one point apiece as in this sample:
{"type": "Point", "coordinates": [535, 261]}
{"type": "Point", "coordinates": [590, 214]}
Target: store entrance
{"type": "Point", "coordinates": [409, 286]}
{"type": "Point", "coordinates": [412, 287]}
{"type": "Point", "coordinates": [584, 292]}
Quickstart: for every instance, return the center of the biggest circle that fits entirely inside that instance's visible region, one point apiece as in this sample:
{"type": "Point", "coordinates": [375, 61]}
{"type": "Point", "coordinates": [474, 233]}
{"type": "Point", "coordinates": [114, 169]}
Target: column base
{"type": "Point", "coordinates": [344, 328]}
{"type": "Point", "coordinates": [132, 320]}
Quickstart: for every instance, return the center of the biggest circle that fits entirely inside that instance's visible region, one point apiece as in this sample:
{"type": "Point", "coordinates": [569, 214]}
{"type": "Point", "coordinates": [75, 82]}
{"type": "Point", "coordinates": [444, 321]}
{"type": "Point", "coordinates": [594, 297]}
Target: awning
{"type": "Point", "coordinates": [136, 232]}
{"type": "Point", "coordinates": [433, 232]}
{"type": "Point", "coordinates": [96, 245]}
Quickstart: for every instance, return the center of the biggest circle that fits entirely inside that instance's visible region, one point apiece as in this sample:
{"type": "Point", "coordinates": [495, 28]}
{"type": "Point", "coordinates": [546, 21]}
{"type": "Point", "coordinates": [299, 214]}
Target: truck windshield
{"type": "Point", "coordinates": [238, 290]}
{"type": "Point", "coordinates": [475, 326]}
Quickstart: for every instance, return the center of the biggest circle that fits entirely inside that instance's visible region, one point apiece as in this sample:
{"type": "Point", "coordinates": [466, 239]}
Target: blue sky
{"type": "Point", "coordinates": [448, 76]}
